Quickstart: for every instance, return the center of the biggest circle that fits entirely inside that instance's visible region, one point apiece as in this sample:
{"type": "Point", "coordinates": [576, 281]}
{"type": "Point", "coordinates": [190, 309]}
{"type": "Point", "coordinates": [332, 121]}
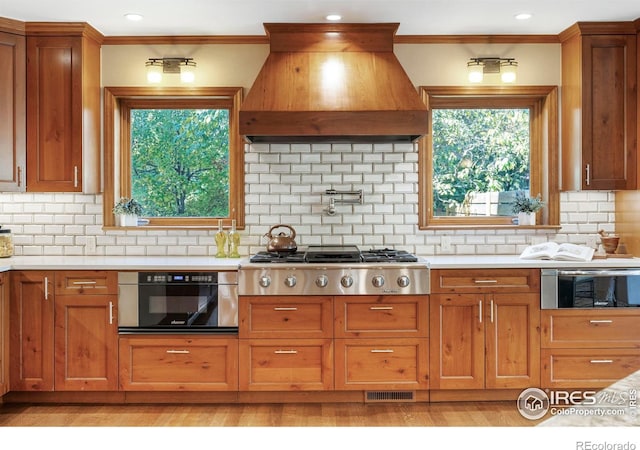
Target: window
{"type": "Point", "coordinates": [177, 151]}
{"type": "Point", "coordinates": [484, 145]}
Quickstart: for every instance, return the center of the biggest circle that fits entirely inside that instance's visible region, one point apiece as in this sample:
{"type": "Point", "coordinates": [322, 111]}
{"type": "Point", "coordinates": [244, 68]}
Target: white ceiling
{"type": "Point", "coordinates": [245, 17]}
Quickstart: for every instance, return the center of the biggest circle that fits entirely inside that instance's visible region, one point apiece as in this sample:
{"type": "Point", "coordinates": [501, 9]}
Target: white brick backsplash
{"type": "Point", "coordinates": [285, 184]}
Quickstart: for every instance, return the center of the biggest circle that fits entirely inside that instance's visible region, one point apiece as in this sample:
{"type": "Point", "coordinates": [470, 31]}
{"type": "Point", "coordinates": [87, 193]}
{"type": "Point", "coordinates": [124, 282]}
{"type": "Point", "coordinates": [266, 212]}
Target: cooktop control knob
{"type": "Point", "coordinates": [322, 281]}
{"type": "Point", "coordinates": [290, 281]}
{"type": "Point", "coordinates": [264, 281]}
{"type": "Point", "coordinates": [403, 281]}
{"type": "Point", "coordinates": [378, 281]}
{"type": "Point", "coordinates": [347, 281]}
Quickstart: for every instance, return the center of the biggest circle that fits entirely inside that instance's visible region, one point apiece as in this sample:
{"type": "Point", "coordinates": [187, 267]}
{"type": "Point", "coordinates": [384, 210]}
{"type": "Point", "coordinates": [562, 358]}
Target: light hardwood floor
{"type": "Point", "coordinates": [467, 414]}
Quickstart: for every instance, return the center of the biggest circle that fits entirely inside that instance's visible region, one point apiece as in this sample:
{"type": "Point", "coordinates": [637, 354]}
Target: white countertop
{"type": "Point", "coordinates": [514, 261]}
{"type": "Point", "coordinates": [212, 263]}
{"type": "Point", "coordinates": [118, 263]}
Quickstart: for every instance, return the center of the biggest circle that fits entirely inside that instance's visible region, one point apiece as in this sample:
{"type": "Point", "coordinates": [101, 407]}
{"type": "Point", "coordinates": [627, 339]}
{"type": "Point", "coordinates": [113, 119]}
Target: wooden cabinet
{"type": "Point", "coordinates": [179, 363]}
{"type": "Point", "coordinates": [4, 333]}
{"type": "Point", "coordinates": [13, 150]}
{"type": "Point", "coordinates": [484, 330]}
{"type": "Point", "coordinates": [31, 342]}
{"type": "Point", "coordinates": [86, 331]}
{"type": "Point", "coordinates": [63, 108]}
{"type": "Point", "coordinates": [59, 340]}
{"type": "Point", "coordinates": [286, 343]}
{"type": "Point", "coordinates": [381, 342]}
{"type": "Point", "coordinates": [599, 106]}
{"type": "Point", "coordinates": [588, 348]}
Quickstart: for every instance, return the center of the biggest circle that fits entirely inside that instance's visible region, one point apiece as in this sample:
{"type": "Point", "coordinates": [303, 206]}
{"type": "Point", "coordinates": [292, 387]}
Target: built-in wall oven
{"type": "Point", "coordinates": [590, 288]}
{"type": "Point", "coordinates": [177, 302]}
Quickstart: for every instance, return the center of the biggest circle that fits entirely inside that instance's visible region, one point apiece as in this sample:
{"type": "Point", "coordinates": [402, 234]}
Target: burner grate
{"type": "Point", "coordinates": [274, 257]}
{"type": "Point", "coordinates": [387, 255]}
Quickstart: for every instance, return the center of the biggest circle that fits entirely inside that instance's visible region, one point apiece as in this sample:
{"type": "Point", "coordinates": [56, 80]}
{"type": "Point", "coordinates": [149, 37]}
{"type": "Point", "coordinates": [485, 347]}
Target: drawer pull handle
{"type": "Point", "coordinates": [381, 308]}
{"type": "Point", "coordinates": [485, 281]}
{"type": "Point", "coordinates": [282, 308]}
{"type": "Point", "coordinates": [181, 352]}
{"type": "Point", "coordinates": [601, 361]}
{"type": "Point", "coordinates": [286, 352]}
{"type": "Point", "coordinates": [382, 351]}
{"type": "Point", "coordinates": [85, 282]}
{"type": "Point", "coordinates": [601, 321]}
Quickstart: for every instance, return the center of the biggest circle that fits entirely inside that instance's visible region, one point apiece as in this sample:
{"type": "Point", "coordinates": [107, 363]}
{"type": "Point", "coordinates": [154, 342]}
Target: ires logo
{"type": "Point", "coordinates": [534, 403]}
{"type": "Point", "coordinates": [570, 398]}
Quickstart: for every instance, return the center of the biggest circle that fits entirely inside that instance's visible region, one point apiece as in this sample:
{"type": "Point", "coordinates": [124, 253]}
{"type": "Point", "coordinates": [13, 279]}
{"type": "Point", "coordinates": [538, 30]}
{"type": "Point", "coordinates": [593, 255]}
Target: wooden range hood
{"type": "Point", "coordinates": [332, 83]}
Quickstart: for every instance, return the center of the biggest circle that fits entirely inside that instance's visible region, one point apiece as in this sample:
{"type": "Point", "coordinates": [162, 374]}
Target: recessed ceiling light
{"type": "Point", "coordinates": [524, 16]}
{"type": "Point", "coordinates": [334, 17]}
{"type": "Point", "coordinates": [134, 17]}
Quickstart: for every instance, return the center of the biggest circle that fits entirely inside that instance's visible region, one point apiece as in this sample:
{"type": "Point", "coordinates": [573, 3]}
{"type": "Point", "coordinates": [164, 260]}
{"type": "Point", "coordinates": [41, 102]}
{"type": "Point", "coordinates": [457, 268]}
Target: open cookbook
{"type": "Point", "coordinates": [560, 252]}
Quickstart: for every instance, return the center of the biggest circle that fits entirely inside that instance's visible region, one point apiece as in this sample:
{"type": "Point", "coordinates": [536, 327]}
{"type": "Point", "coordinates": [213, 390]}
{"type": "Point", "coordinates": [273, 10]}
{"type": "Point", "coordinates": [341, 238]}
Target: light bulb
{"type": "Point", "coordinates": [508, 72]}
{"type": "Point", "coordinates": [154, 73]}
{"type": "Point", "coordinates": [187, 75]}
{"type": "Point", "coordinates": [475, 70]}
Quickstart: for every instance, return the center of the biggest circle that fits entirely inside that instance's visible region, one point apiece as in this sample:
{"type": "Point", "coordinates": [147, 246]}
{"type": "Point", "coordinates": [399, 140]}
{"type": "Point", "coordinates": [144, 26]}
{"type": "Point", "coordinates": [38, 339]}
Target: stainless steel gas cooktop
{"type": "Point", "coordinates": [334, 270]}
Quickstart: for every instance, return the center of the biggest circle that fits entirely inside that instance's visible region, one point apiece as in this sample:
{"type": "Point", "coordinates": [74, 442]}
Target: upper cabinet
{"type": "Point", "coordinates": [12, 108]}
{"type": "Point", "coordinates": [63, 107]}
{"type": "Point", "coordinates": [599, 106]}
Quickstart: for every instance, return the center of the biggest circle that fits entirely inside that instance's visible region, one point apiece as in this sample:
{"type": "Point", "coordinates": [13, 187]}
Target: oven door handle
{"type": "Point", "coordinates": [600, 273]}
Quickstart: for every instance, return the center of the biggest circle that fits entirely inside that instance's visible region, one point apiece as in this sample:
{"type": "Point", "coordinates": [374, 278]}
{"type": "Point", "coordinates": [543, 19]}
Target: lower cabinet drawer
{"type": "Point", "coordinates": [587, 368]}
{"type": "Point", "coordinates": [593, 328]}
{"type": "Point", "coordinates": [286, 365]}
{"type": "Point", "coordinates": [178, 364]}
{"type": "Point", "coordinates": [369, 316]}
{"type": "Point", "coordinates": [382, 364]}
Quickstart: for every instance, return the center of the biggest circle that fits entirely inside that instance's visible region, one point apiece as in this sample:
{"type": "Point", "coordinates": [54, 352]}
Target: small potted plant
{"type": "Point", "coordinates": [526, 207]}
{"type": "Point", "coordinates": [128, 209]}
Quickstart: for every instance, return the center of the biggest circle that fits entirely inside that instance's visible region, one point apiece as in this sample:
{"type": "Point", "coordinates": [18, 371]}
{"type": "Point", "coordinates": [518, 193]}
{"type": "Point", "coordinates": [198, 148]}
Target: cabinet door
{"type": "Point", "coordinates": [483, 281]}
{"type": "Point", "coordinates": [381, 316]}
{"type": "Point", "coordinates": [285, 317]}
{"type": "Point", "coordinates": [179, 363]}
{"type": "Point", "coordinates": [286, 364]}
{"type": "Point", "coordinates": [579, 368]}
{"type": "Point", "coordinates": [512, 336]}
{"type": "Point", "coordinates": [54, 113]}
{"type": "Point", "coordinates": [457, 341]}
{"type": "Point", "coordinates": [609, 112]}
{"type": "Point", "coordinates": [12, 113]}
{"type": "Point", "coordinates": [389, 363]}
{"type": "Point", "coordinates": [590, 328]}
{"type": "Point", "coordinates": [4, 333]}
{"type": "Point", "coordinates": [31, 342]}
{"type": "Point", "coordinates": [82, 282]}
{"type": "Point", "coordinates": [86, 343]}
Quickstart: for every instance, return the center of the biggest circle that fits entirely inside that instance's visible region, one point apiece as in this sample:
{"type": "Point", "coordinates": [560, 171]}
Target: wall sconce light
{"type": "Point", "coordinates": [506, 67]}
{"type": "Point", "coordinates": [184, 66]}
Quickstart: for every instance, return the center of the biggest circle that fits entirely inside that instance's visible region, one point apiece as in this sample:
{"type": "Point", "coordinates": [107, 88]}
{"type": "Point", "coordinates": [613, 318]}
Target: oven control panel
{"type": "Point", "coordinates": [176, 277]}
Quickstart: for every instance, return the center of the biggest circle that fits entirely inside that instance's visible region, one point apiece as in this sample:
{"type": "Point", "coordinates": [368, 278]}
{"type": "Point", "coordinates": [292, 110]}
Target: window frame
{"type": "Point", "coordinates": [542, 101]}
{"type": "Point", "coordinates": [118, 102]}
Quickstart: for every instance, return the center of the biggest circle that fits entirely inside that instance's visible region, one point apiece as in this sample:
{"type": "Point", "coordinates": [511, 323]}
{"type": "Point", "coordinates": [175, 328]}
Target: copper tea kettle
{"type": "Point", "coordinates": [281, 243]}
